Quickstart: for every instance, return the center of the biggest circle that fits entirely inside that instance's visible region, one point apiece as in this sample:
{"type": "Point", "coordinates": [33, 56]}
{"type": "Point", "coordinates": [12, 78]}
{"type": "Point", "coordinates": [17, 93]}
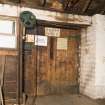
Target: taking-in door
{"type": "Point", "coordinates": [52, 69]}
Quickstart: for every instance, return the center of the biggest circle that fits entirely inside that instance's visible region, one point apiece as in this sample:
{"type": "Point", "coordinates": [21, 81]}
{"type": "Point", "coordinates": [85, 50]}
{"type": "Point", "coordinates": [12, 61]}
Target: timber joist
{"type": "Point", "coordinates": [83, 7]}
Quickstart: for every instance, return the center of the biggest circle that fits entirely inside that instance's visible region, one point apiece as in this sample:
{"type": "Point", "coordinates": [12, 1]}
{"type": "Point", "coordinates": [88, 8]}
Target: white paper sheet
{"type": "Point", "coordinates": [41, 40]}
{"type": "Point", "coordinates": [62, 43]}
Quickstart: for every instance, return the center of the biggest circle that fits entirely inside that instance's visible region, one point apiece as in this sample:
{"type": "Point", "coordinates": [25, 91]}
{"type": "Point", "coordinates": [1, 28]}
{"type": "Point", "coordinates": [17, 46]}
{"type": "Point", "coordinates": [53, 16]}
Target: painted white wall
{"type": "Point", "coordinates": [100, 56]}
{"type": "Point", "coordinates": [8, 10]}
{"type": "Point", "coordinates": [88, 60]}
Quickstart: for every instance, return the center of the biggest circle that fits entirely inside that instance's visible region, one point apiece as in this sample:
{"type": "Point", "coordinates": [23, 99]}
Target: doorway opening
{"type": "Point", "coordinates": [51, 61]}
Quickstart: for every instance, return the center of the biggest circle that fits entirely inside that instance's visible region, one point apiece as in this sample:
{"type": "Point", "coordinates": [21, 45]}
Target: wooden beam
{"type": "Point", "coordinates": [100, 7]}
{"type": "Point", "coordinates": [59, 25]}
{"type": "Point", "coordinates": [86, 6]}
{"type": "Point", "coordinates": [66, 3]}
{"type": "Point", "coordinates": [47, 15]}
{"type": "Point", "coordinates": [103, 9]}
{"type": "Point", "coordinates": [8, 52]}
{"type": "Point", "coordinates": [43, 2]}
{"type": "Point", "coordinates": [73, 3]}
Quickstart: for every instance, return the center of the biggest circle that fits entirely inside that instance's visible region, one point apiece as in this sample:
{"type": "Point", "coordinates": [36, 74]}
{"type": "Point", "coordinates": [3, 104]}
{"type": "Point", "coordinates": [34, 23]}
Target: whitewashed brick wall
{"type": "Point", "coordinates": [92, 71]}
{"type": "Point", "coordinates": [88, 57]}
{"type": "Point", "coordinates": [100, 56]}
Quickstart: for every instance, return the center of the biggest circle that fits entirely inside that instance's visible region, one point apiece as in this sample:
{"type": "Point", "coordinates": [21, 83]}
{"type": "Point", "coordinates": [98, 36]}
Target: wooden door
{"type": "Point", "coordinates": [53, 70]}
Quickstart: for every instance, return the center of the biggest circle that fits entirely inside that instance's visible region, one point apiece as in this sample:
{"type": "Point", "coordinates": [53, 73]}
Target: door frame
{"type": "Point", "coordinates": [45, 24]}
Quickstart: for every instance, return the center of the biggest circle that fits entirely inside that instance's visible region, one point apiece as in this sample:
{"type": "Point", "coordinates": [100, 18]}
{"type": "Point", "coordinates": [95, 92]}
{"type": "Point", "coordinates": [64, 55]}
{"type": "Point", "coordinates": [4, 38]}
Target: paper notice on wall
{"type": "Point", "coordinates": [62, 43]}
{"type": "Point", "coordinates": [30, 38]}
{"type": "Point", "coordinates": [52, 32]}
{"type": "Point", "coordinates": [41, 40]}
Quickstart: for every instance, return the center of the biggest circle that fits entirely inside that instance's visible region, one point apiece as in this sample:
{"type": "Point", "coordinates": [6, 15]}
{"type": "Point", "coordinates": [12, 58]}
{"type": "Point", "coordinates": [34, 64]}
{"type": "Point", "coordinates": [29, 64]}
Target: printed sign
{"type": "Point", "coordinates": [29, 38]}
{"type": "Point", "coordinates": [41, 40]}
{"type": "Point", "coordinates": [62, 43]}
{"type": "Point", "coordinates": [52, 32]}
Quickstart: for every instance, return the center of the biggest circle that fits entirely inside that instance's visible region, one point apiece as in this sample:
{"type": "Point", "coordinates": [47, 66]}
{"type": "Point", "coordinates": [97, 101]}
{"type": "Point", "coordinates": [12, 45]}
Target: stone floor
{"type": "Point", "coordinates": [101, 102]}
{"type": "Point", "coordinates": [67, 100]}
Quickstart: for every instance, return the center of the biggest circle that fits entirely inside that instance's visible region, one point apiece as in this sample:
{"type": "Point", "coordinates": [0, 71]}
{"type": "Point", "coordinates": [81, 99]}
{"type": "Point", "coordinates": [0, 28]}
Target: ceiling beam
{"type": "Point", "coordinates": [43, 2]}
{"type": "Point", "coordinates": [73, 3]}
{"type": "Point", "coordinates": [66, 3]}
{"type": "Point", "coordinates": [86, 6]}
{"type": "Point", "coordinates": [103, 11]}
{"type": "Point", "coordinates": [70, 4]}
{"type": "Point", "coordinates": [103, 8]}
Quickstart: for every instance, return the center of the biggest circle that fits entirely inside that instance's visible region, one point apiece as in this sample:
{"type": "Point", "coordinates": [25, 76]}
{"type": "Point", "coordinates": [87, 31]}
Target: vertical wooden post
{"type": "Point", "coordinates": [2, 80]}
{"type": "Point", "coordinates": [20, 62]}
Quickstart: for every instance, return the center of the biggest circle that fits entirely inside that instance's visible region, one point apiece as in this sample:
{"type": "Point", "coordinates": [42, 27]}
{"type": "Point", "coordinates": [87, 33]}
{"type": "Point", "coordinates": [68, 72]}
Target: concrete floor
{"type": "Point", "coordinates": [67, 100]}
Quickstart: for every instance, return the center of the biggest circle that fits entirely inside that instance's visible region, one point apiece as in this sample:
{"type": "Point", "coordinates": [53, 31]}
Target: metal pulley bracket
{"type": "Point", "coordinates": [28, 19]}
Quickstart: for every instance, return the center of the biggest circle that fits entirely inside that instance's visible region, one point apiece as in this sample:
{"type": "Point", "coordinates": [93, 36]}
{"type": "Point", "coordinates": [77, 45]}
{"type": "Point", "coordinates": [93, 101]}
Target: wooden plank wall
{"type": "Point", "coordinates": [46, 70]}
{"type": "Point", "coordinates": [10, 65]}
{"type": "Point", "coordinates": [57, 71]}
{"type": "Point", "coordinates": [10, 76]}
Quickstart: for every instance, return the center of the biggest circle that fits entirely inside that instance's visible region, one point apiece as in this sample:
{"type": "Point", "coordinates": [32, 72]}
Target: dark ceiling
{"type": "Point", "coordinates": [83, 7]}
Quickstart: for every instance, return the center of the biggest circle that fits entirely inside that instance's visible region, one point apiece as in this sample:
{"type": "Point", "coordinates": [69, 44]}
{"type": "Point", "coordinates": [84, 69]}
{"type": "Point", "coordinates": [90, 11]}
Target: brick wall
{"type": "Point", "coordinates": [100, 57]}
{"type": "Point", "coordinates": [92, 71]}
{"type": "Point", "coordinates": [88, 57]}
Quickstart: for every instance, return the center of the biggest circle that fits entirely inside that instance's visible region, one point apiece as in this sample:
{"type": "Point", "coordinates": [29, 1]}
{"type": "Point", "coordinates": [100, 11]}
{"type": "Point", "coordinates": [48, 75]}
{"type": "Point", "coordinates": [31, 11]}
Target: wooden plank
{"type": "Point", "coordinates": [2, 81]}
{"type": "Point", "coordinates": [29, 73]}
{"type": "Point", "coordinates": [8, 52]}
{"type": "Point", "coordinates": [10, 78]}
{"type": "Point", "coordinates": [86, 6]}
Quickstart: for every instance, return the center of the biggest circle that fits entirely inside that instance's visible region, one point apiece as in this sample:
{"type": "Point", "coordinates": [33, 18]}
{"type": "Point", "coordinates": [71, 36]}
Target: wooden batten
{"type": "Point", "coordinates": [8, 52]}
